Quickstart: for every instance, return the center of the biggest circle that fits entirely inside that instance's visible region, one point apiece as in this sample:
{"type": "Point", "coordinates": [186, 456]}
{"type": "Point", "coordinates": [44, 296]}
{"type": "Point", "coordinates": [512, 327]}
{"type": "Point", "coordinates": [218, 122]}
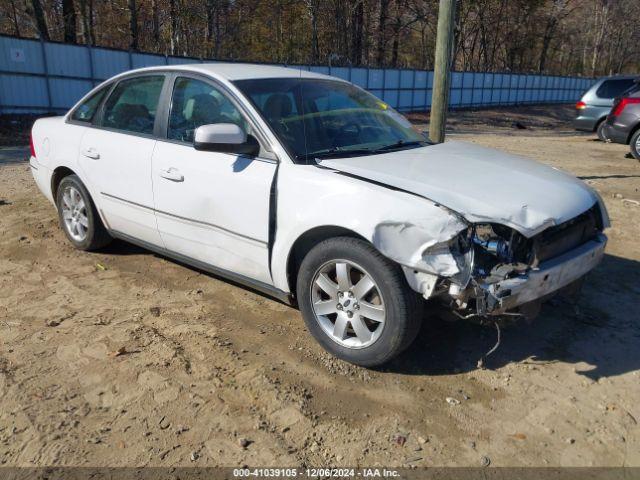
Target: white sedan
{"type": "Point", "coordinates": [309, 189]}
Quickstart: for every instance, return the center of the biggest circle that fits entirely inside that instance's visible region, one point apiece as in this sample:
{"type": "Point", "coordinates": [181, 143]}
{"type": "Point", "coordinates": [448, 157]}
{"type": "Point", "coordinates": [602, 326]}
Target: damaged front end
{"type": "Point", "coordinates": [488, 270]}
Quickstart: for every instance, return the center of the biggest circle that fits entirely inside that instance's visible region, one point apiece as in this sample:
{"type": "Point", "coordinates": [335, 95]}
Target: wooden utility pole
{"type": "Point", "coordinates": [442, 70]}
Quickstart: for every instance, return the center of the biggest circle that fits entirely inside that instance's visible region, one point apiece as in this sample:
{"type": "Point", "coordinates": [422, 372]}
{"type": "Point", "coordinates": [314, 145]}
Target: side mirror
{"type": "Point", "coordinates": [225, 138]}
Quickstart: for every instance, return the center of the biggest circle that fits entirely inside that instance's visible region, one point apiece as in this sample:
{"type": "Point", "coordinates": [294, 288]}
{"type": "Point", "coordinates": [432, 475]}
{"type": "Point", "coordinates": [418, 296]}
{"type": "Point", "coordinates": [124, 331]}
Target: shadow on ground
{"type": "Point", "coordinates": [601, 330]}
{"type": "Point", "coordinates": [118, 247]}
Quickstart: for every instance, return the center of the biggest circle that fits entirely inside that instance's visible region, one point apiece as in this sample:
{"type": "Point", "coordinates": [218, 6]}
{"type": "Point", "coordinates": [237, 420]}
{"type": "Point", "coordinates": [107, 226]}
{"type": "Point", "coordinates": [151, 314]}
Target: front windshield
{"type": "Point", "coordinates": [317, 118]}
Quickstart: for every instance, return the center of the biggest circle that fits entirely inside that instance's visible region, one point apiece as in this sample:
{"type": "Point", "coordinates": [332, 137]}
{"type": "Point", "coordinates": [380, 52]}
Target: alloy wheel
{"type": "Point", "coordinates": [74, 214]}
{"type": "Point", "coordinates": [348, 304]}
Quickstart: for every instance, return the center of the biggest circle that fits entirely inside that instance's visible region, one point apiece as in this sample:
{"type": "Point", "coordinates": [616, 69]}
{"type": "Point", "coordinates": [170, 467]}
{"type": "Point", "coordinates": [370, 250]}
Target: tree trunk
{"type": "Point", "coordinates": [155, 22]}
{"type": "Point", "coordinates": [69, 21]}
{"type": "Point", "coordinates": [397, 27]}
{"type": "Point", "coordinates": [86, 12]}
{"type": "Point", "coordinates": [41, 24]}
{"type": "Point", "coordinates": [133, 25]}
{"type": "Point", "coordinates": [16, 26]}
{"type": "Point", "coordinates": [278, 32]}
{"type": "Point", "coordinates": [382, 26]}
{"type": "Point", "coordinates": [213, 27]}
{"type": "Point", "coordinates": [210, 18]}
{"type": "Point", "coordinates": [546, 41]}
{"type": "Point", "coordinates": [312, 6]}
{"type": "Point", "coordinates": [173, 14]}
{"type": "Point", "coordinates": [600, 33]}
{"type": "Point", "coordinates": [90, 21]}
{"type": "Point", "coordinates": [342, 30]}
{"type": "Point", "coordinates": [357, 24]}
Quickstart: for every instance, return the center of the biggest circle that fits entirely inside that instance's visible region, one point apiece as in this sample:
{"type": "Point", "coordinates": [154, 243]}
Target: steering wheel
{"type": "Point", "coordinates": [352, 125]}
{"type": "Point", "coordinates": [347, 129]}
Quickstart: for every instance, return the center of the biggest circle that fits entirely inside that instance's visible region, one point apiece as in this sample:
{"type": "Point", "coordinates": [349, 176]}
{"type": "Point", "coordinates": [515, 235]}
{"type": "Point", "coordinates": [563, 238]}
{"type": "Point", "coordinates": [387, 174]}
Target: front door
{"type": "Point", "coordinates": [116, 157]}
{"type": "Point", "coordinates": [212, 207]}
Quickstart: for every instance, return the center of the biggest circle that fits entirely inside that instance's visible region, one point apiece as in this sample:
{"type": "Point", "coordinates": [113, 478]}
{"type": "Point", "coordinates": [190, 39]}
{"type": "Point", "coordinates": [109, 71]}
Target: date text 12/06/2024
{"type": "Point", "coordinates": [316, 473]}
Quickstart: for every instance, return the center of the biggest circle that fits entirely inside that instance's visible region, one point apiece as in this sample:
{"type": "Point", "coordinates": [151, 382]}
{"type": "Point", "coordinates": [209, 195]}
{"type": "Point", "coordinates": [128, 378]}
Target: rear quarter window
{"type": "Point", "coordinates": [614, 88]}
{"type": "Point", "coordinates": [87, 109]}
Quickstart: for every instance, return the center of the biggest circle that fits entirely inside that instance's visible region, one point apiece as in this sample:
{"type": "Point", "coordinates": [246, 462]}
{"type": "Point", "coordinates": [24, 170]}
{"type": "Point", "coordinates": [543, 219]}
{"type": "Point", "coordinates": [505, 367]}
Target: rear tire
{"type": "Point", "coordinates": [634, 145]}
{"type": "Point", "coordinates": [356, 302]}
{"type": "Point", "coordinates": [600, 132]}
{"type": "Point", "coordinates": [78, 216]}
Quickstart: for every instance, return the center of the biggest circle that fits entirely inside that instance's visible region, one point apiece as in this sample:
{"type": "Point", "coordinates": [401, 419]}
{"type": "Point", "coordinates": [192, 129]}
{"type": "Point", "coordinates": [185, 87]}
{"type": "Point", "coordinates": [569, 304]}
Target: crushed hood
{"type": "Point", "coordinates": [481, 184]}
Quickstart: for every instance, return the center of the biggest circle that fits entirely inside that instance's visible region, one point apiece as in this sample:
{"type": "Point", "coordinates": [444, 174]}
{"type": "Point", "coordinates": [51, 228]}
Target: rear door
{"type": "Point", "coordinates": [116, 156]}
{"type": "Point", "coordinates": [211, 206]}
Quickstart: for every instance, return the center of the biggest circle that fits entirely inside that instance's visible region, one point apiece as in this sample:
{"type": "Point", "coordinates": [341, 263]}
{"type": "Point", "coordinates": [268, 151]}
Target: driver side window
{"type": "Point", "coordinates": [195, 103]}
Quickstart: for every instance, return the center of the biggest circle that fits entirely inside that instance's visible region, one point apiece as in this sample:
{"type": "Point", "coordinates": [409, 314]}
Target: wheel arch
{"type": "Point", "coordinates": [56, 177]}
{"type": "Point", "coordinates": [306, 241]}
{"type": "Point", "coordinates": [633, 131]}
{"type": "Point", "coordinates": [599, 122]}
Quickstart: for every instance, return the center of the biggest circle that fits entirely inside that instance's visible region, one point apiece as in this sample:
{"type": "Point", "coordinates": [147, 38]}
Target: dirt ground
{"type": "Point", "coordinates": [123, 358]}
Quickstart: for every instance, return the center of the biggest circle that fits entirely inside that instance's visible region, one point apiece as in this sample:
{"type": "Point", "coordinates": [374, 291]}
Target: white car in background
{"type": "Point", "coordinates": [312, 190]}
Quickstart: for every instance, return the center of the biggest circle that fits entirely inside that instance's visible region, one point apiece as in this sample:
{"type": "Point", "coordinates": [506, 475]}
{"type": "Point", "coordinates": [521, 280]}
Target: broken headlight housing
{"type": "Point", "coordinates": [461, 248]}
{"type": "Point", "coordinates": [496, 245]}
{"type": "Point", "coordinates": [488, 241]}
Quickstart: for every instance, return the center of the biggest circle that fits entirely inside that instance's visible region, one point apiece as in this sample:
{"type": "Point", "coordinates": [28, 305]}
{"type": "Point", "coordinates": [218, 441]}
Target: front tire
{"type": "Point", "coordinates": [634, 145]}
{"type": "Point", "coordinates": [356, 302]}
{"type": "Point", "coordinates": [78, 216]}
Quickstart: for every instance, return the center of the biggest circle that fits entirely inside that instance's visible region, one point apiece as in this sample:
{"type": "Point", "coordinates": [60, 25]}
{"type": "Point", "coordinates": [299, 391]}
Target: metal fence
{"type": "Point", "coordinates": [38, 76]}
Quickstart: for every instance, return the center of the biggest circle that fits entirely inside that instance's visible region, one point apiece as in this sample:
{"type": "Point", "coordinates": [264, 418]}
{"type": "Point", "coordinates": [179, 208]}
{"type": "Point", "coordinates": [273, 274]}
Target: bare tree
{"type": "Point", "coordinates": [382, 27]}
{"type": "Point", "coordinates": [174, 34]}
{"type": "Point", "coordinates": [588, 37]}
{"type": "Point", "coordinates": [357, 29]}
{"type": "Point", "coordinates": [69, 21]}
{"type": "Point", "coordinates": [600, 17]}
{"type": "Point", "coordinates": [155, 22]}
{"type": "Point", "coordinates": [86, 20]}
{"type": "Point", "coordinates": [41, 24]}
{"type": "Point", "coordinates": [14, 16]}
{"type": "Point", "coordinates": [133, 25]}
{"type": "Point", "coordinates": [313, 7]}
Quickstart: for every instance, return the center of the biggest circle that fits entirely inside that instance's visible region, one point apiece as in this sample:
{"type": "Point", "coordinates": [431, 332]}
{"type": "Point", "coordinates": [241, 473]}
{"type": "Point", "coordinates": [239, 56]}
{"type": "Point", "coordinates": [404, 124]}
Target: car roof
{"type": "Point", "coordinates": [238, 71]}
{"type": "Point", "coordinates": [618, 77]}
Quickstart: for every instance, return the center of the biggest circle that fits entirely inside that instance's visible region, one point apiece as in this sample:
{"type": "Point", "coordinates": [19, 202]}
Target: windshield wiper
{"type": "Point", "coordinates": [399, 144]}
{"type": "Point", "coordinates": [336, 152]}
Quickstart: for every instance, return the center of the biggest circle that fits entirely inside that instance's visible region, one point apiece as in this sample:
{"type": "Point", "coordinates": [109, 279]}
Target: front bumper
{"type": "Point", "coordinates": [546, 279]}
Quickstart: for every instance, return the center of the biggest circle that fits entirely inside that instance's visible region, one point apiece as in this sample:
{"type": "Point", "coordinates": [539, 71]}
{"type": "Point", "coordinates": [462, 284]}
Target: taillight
{"type": "Point", "coordinates": [622, 103]}
{"type": "Point", "coordinates": [33, 150]}
{"type": "Point", "coordinates": [581, 105]}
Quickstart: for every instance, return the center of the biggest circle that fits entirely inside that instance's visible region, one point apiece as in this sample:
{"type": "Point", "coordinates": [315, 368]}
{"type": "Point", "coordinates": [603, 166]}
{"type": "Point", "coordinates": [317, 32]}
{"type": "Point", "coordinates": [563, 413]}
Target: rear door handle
{"type": "Point", "coordinates": [172, 174]}
{"type": "Point", "coordinates": [91, 153]}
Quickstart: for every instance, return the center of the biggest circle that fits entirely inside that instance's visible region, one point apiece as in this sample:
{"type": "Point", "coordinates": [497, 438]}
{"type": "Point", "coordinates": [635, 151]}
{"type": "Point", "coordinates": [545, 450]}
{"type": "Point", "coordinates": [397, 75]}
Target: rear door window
{"type": "Point", "coordinates": [614, 88]}
{"type": "Point", "coordinates": [133, 104]}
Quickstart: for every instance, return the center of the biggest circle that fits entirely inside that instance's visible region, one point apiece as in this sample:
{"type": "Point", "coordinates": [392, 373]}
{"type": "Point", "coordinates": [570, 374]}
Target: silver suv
{"type": "Point", "coordinates": [595, 104]}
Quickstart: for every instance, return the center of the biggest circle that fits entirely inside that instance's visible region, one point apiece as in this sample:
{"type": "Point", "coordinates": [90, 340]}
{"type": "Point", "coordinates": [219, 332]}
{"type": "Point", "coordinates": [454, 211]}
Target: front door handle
{"type": "Point", "coordinates": [91, 153]}
{"type": "Point", "coordinates": [172, 174]}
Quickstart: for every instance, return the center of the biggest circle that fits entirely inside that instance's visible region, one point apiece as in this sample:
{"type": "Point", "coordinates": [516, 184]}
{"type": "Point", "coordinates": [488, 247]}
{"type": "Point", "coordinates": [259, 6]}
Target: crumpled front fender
{"type": "Point", "coordinates": [423, 245]}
